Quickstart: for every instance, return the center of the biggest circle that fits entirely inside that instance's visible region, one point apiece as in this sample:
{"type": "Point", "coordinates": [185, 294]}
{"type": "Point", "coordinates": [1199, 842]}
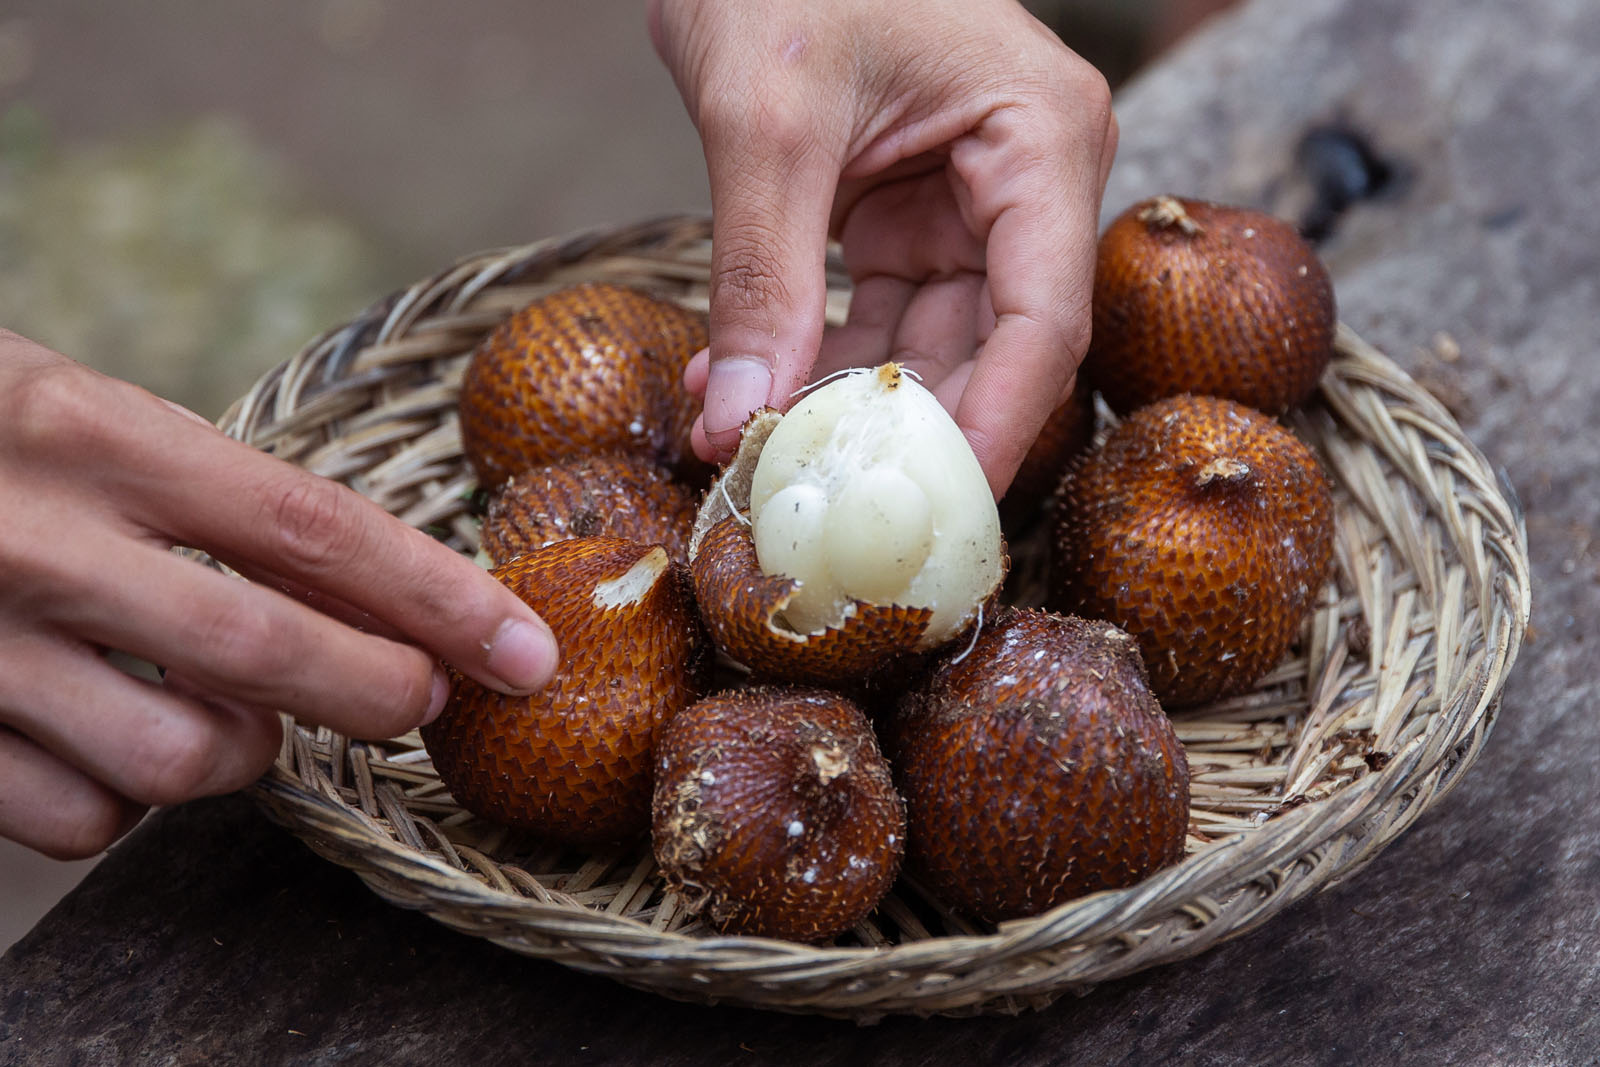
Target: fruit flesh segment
{"type": "Point", "coordinates": [867, 490]}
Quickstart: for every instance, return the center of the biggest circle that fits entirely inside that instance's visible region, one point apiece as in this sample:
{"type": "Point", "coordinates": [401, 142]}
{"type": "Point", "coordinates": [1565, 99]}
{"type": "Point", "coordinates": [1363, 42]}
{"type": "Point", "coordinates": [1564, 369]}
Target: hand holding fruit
{"type": "Point", "coordinates": [957, 150]}
{"type": "Point", "coordinates": [100, 480]}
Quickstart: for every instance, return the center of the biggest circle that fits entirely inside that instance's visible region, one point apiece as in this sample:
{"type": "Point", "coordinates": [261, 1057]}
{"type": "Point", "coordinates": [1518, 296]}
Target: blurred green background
{"type": "Point", "coordinates": [190, 189]}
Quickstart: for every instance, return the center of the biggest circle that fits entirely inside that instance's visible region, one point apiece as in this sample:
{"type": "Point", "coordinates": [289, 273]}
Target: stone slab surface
{"type": "Point", "coordinates": [212, 937]}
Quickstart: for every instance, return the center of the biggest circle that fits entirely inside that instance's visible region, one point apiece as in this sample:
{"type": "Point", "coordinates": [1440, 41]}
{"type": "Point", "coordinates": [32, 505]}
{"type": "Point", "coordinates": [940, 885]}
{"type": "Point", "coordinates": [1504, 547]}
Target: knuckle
{"type": "Point", "coordinates": [52, 411]}
{"type": "Point", "coordinates": [316, 525]}
{"type": "Point", "coordinates": [245, 643]}
{"type": "Point", "coordinates": [746, 280]}
{"type": "Point", "coordinates": [175, 764]}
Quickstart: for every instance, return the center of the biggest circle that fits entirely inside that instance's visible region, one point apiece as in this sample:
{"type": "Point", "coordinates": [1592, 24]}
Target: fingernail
{"type": "Point", "coordinates": [523, 655]}
{"type": "Point", "coordinates": [734, 388]}
{"type": "Point", "coordinates": [438, 696]}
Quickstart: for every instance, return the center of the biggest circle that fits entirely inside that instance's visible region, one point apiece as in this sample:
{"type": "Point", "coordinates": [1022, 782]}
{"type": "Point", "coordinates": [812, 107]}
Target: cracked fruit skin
{"type": "Point", "coordinates": [585, 370]}
{"type": "Point", "coordinates": [1037, 768]}
{"type": "Point", "coordinates": [1212, 299]}
{"type": "Point", "coordinates": [616, 495]}
{"type": "Point", "coordinates": [775, 814]}
{"type": "Point", "coordinates": [1204, 529]}
{"type": "Point", "coordinates": [572, 762]}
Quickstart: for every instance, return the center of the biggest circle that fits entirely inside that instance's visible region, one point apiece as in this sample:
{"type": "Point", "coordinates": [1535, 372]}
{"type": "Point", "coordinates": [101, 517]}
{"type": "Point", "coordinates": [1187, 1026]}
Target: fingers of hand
{"type": "Point", "coordinates": [48, 805]}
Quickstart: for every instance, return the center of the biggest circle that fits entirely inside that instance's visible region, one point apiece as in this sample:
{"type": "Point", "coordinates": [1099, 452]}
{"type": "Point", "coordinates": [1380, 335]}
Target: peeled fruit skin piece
{"type": "Point", "coordinates": [1204, 529]}
{"type": "Point", "coordinates": [775, 813]}
{"type": "Point", "coordinates": [589, 369]}
{"type": "Point", "coordinates": [618, 495]}
{"type": "Point", "coordinates": [1037, 768]}
{"type": "Point", "coordinates": [572, 762]}
{"type": "Point", "coordinates": [1212, 299]}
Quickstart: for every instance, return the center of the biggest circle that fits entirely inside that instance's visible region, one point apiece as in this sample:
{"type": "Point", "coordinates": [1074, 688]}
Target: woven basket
{"type": "Point", "coordinates": [1388, 697]}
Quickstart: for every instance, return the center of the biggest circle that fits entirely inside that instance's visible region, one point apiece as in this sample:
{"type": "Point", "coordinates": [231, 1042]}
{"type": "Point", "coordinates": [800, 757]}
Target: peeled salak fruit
{"type": "Point", "coordinates": [572, 762]}
{"type": "Point", "coordinates": [775, 814]}
{"type": "Point", "coordinates": [1212, 299]}
{"type": "Point", "coordinates": [616, 495]}
{"type": "Point", "coordinates": [592, 368]}
{"type": "Point", "coordinates": [856, 527]}
{"type": "Point", "coordinates": [1036, 768]}
{"type": "Point", "coordinates": [1203, 528]}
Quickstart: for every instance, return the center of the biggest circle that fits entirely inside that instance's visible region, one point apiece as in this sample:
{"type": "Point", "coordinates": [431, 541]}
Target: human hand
{"type": "Point", "coordinates": [956, 149]}
{"type": "Point", "coordinates": [99, 480]}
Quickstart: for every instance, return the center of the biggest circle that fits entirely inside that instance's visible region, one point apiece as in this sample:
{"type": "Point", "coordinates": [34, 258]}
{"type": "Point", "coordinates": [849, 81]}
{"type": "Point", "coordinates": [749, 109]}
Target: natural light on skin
{"type": "Point", "coordinates": [867, 490]}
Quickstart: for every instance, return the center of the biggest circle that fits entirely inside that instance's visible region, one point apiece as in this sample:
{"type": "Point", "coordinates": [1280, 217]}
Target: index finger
{"type": "Point", "coordinates": [1035, 179]}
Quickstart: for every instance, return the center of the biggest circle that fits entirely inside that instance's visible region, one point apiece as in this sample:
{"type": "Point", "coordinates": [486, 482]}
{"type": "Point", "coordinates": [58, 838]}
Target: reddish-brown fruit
{"type": "Point", "coordinates": [775, 813]}
{"type": "Point", "coordinates": [1195, 297]}
{"type": "Point", "coordinates": [1038, 768]}
{"type": "Point", "coordinates": [1204, 529]}
{"type": "Point", "coordinates": [617, 495]}
{"type": "Point", "coordinates": [585, 370]}
{"type": "Point", "coordinates": [572, 761]}
{"type": "Point", "coordinates": [742, 608]}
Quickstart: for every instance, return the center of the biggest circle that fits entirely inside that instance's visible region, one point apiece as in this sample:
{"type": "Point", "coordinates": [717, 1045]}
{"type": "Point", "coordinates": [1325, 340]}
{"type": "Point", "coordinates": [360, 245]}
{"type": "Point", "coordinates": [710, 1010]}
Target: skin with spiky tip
{"type": "Point", "coordinates": [585, 370]}
{"type": "Point", "coordinates": [1037, 768]}
{"type": "Point", "coordinates": [1204, 529]}
{"type": "Point", "coordinates": [617, 495]}
{"type": "Point", "coordinates": [1196, 297]}
{"type": "Point", "coordinates": [775, 813]}
{"type": "Point", "coordinates": [571, 762]}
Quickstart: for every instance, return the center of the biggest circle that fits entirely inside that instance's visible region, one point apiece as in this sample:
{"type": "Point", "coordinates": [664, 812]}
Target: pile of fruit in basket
{"type": "Point", "coordinates": [800, 674]}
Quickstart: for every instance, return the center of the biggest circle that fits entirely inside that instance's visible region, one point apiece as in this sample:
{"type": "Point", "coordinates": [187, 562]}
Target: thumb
{"type": "Point", "coordinates": [772, 186]}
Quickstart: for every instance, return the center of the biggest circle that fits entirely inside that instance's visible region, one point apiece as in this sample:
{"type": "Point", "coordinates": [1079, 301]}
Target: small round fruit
{"type": "Point", "coordinates": [1196, 297]}
{"type": "Point", "coordinates": [775, 814]}
{"type": "Point", "coordinates": [1204, 529]}
{"type": "Point", "coordinates": [589, 369]}
{"type": "Point", "coordinates": [617, 495]}
{"type": "Point", "coordinates": [1037, 768]}
{"type": "Point", "coordinates": [572, 761]}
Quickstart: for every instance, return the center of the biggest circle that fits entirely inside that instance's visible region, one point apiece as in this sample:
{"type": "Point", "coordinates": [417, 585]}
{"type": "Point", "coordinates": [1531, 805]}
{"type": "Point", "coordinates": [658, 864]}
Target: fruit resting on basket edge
{"type": "Point", "coordinates": [1214, 299]}
{"type": "Point", "coordinates": [1204, 529]}
{"type": "Point", "coordinates": [1037, 768]}
{"type": "Point", "coordinates": [572, 762]}
{"type": "Point", "coordinates": [774, 813]}
{"type": "Point", "coordinates": [852, 531]}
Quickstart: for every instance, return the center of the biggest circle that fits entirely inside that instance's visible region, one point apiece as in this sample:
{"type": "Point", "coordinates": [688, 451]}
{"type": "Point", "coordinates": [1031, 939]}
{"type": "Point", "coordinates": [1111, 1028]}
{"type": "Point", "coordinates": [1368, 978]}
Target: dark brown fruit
{"type": "Point", "coordinates": [775, 813]}
{"type": "Point", "coordinates": [1204, 529]}
{"type": "Point", "coordinates": [1194, 297]}
{"type": "Point", "coordinates": [585, 370]}
{"type": "Point", "coordinates": [572, 762]}
{"type": "Point", "coordinates": [1037, 768]}
{"type": "Point", "coordinates": [617, 495]}
{"type": "Point", "coordinates": [742, 608]}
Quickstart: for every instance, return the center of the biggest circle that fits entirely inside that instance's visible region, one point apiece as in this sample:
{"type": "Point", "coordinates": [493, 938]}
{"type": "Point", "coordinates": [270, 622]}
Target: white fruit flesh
{"type": "Point", "coordinates": [867, 490]}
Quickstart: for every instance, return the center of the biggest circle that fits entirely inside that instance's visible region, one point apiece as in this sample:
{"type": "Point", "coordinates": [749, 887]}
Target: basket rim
{"type": "Point", "coordinates": [1281, 851]}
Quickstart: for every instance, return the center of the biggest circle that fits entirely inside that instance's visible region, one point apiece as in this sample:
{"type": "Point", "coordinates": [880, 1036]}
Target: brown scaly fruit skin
{"type": "Point", "coordinates": [572, 762]}
{"type": "Point", "coordinates": [775, 813]}
{"type": "Point", "coordinates": [1037, 768]}
{"type": "Point", "coordinates": [1204, 529]}
{"type": "Point", "coordinates": [617, 495]}
{"type": "Point", "coordinates": [589, 369]}
{"type": "Point", "coordinates": [739, 604]}
{"type": "Point", "coordinates": [1195, 297]}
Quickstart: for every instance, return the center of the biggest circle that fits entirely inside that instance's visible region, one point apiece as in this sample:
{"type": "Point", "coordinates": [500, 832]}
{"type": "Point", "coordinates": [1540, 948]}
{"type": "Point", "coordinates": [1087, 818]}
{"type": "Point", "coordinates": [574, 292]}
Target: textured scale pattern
{"type": "Point", "coordinates": [1208, 299]}
{"type": "Point", "coordinates": [1204, 529]}
{"type": "Point", "coordinates": [572, 762]}
{"type": "Point", "coordinates": [618, 495]}
{"type": "Point", "coordinates": [589, 369]}
{"type": "Point", "coordinates": [775, 813]}
{"type": "Point", "coordinates": [1037, 769]}
{"type": "Point", "coordinates": [739, 604]}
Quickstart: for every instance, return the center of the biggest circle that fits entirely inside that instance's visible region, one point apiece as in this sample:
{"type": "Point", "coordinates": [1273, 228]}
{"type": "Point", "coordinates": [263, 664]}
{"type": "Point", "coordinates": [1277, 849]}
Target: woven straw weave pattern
{"type": "Point", "coordinates": [1388, 698]}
